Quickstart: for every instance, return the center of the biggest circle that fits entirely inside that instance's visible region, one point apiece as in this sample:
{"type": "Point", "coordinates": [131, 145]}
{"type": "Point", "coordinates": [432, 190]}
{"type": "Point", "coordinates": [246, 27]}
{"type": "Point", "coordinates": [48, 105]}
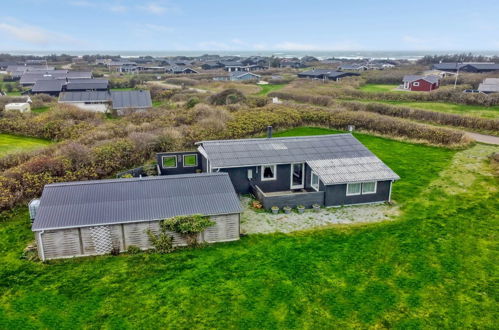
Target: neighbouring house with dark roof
{"type": "Point", "coordinates": [211, 65]}
{"type": "Point", "coordinates": [29, 78]}
{"type": "Point", "coordinates": [238, 76]}
{"type": "Point", "coordinates": [489, 85]}
{"type": "Point", "coordinates": [48, 86]}
{"type": "Point", "coordinates": [103, 101]}
{"type": "Point", "coordinates": [326, 74]}
{"type": "Point", "coordinates": [291, 64]}
{"type": "Point", "coordinates": [417, 83]}
{"type": "Point", "coordinates": [82, 85]}
{"type": "Point", "coordinates": [182, 70]}
{"type": "Point", "coordinates": [353, 67]}
{"type": "Point", "coordinates": [231, 66]}
{"type": "Point", "coordinates": [328, 170]}
{"type": "Point", "coordinates": [75, 219]}
{"type": "Point", "coordinates": [123, 66]}
{"type": "Point", "coordinates": [467, 67]}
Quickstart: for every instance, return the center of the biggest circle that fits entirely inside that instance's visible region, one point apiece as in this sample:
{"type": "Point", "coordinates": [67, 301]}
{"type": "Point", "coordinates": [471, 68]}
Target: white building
{"type": "Point", "coordinates": [21, 107]}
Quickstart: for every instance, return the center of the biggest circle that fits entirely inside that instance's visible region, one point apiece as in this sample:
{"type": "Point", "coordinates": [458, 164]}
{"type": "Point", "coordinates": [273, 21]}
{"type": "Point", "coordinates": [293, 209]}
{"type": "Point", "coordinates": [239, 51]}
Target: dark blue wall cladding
{"type": "Point", "coordinates": [180, 169]}
{"type": "Point", "coordinates": [336, 195]}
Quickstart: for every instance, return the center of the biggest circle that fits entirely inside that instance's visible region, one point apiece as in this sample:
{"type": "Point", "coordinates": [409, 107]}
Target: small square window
{"type": "Point", "coordinates": [353, 189]}
{"type": "Point", "coordinates": [369, 188]}
{"type": "Point", "coordinates": [415, 84]}
{"type": "Point", "coordinates": [268, 172]}
{"type": "Point", "coordinates": [169, 161]}
{"type": "Point", "coordinates": [190, 160]}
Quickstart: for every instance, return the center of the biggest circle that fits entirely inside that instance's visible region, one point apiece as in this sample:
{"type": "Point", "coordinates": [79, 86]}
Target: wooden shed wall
{"type": "Point", "coordinates": [88, 241]}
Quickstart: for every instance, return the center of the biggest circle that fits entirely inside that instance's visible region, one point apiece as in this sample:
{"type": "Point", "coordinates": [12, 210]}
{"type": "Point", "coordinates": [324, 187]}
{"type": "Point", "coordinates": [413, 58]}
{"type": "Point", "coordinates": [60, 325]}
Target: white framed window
{"type": "Point", "coordinates": [415, 84]}
{"type": "Point", "coordinates": [269, 172]}
{"type": "Point", "coordinates": [353, 189]}
{"type": "Point", "coordinates": [314, 181]}
{"type": "Point", "coordinates": [369, 188]}
{"type": "Point", "coordinates": [169, 161]}
{"type": "Point", "coordinates": [190, 160]}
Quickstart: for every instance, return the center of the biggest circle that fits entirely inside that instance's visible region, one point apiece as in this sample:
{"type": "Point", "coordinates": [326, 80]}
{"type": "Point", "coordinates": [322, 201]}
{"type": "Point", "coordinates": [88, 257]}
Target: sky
{"type": "Point", "coordinates": [255, 25]}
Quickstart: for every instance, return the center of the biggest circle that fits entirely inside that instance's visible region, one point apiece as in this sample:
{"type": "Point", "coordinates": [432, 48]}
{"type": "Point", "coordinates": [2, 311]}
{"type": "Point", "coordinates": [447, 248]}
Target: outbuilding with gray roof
{"type": "Point", "coordinates": [95, 217]}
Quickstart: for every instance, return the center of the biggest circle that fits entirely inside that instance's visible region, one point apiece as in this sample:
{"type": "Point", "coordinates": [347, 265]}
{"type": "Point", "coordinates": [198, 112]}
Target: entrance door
{"type": "Point", "coordinates": [297, 176]}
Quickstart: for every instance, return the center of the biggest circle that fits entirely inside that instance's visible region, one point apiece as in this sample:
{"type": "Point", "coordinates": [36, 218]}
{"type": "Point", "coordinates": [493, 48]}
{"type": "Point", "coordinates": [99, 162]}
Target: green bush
{"type": "Point", "coordinates": [189, 226]}
{"type": "Point", "coordinates": [191, 103]}
{"type": "Point", "coordinates": [162, 241]}
{"type": "Point", "coordinates": [228, 96]}
{"type": "Point", "coordinates": [132, 249]}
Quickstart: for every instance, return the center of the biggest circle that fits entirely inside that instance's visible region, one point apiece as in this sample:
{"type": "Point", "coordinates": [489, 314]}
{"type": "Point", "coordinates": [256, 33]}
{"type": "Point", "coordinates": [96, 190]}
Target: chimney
{"type": "Point", "coordinates": [269, 132]}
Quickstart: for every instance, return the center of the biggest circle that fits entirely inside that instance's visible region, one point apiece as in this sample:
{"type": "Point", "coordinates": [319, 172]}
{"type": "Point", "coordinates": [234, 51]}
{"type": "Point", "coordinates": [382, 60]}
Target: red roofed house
{"type": "Point", "coordinates": [421, 83]}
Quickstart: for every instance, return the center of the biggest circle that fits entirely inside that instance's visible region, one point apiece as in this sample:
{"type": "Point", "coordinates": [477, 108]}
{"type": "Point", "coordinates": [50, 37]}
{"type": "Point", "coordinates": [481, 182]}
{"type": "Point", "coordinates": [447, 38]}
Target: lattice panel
{"type": "Point", "coordinates": [101, 237]}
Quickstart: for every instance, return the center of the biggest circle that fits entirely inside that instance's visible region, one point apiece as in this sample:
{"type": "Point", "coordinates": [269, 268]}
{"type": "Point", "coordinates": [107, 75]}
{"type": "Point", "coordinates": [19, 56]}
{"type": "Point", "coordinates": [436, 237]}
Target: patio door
{"type": "Point", "coordinates": [297, 176]}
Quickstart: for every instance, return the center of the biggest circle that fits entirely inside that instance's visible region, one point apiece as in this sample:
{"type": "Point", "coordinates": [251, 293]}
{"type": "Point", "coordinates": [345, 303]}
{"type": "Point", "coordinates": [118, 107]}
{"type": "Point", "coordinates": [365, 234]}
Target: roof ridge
{"type": "Point", "coordinates": [273, 138]}
{"type": "Point", "coordinates": [148, 178]}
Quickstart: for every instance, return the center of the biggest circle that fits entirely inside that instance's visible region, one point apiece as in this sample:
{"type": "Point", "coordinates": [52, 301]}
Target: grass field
{"type": "Point", "coordinates": [376, 88]}
{"type": "Point", "coordinates": [12, 143]}
{"type": "Point", "coordinates": [265, 89]}
{"type": "Point", "coordinates": [462, 109]}
{"type": "Point", "coordinates": [41, 109]}
{"type": "Point", "coordinates": [431, 268]}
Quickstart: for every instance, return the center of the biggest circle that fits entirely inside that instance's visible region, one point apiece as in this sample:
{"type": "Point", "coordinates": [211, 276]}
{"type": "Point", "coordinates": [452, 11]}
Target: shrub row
{"type": "Point", "coordinates": [253, 121]}
{"type": "Point", "coordinates": [63, 122]}
{"type": "Point", "coordinates": [425, 115]}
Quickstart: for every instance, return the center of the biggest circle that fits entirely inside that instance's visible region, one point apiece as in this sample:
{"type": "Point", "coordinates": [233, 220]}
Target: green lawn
{"type": "Point", "coordinates": [123, 89]}
{"type": "Point", "coordinates": [40, 109]}
{"type": "Point", "coordinates": [461, 109]}
{"type": "Point", "coordinates": [12, 143]}
{"type": "Point", "coordinates": [265, 89]}
{"type": "Point", "coordinates": [377, 88]}
{"type": "Point", "coordinates": [433, 267]}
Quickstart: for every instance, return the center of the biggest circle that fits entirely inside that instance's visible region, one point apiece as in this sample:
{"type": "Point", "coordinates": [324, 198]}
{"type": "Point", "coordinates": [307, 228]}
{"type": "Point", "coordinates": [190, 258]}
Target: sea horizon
{"type": "Point", "coordinates": [321, 54]}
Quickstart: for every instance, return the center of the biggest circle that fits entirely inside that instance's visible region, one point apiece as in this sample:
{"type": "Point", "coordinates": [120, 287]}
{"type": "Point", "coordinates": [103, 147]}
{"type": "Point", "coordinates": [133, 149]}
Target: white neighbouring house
{"type": "Point", "coordinates": [21, 107]}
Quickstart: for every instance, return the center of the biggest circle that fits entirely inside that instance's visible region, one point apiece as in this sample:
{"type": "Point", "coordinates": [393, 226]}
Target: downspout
{"type": "Point", "coordinates": [41, 244]}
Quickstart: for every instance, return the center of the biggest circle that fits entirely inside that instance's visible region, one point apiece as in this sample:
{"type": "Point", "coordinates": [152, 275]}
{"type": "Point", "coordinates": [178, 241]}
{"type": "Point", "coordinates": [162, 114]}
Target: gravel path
{"type": "Point", "coordinates": [484, 138]}
{"type": "Point", "coordinates": [264, 222]}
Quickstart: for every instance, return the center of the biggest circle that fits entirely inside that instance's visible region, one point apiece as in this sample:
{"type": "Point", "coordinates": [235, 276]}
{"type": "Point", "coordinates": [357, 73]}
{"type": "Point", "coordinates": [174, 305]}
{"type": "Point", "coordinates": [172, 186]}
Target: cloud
{"type": "Point", "coordinates": [32, 34]}
{"type": "Point", "coordinates": [115, 8]}
{"type": "Point", "coordinates": [159, 8]}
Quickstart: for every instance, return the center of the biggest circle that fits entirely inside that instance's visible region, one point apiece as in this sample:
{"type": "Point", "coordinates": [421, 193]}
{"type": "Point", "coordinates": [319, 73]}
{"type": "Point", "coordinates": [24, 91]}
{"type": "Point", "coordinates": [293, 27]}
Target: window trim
{"type": "Point", "coordinates": [312, 181]}
{"type": "Point", "coordinates": [274, 172]}
{"type": "Point", "coordinates": [302, 184]}
{"type": "Point", "coordinates": [371, 192]}
{"type": "Point", "coordinates": [169, 156]}
{"type": "Point", "coordinates": [183, 160]}
{"type": "Point", "coordinates": [354, 194]}
{"type": "Point", "coordinates": [415, 84]}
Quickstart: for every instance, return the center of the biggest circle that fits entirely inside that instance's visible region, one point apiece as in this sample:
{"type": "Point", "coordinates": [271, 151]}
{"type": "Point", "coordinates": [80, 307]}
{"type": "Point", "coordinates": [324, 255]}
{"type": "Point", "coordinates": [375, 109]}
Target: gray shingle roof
{"type": "Point", "coordinates": [93, 96]}
{"type": "Point", "coordinates": [90, 203]}
{"type": "Point", "coordinates": [253, 152]}
{"type": "Point", "coordinates": [454, 66]}
{"type": "Point", "coordinates": [131, 99]}
{"type": "Point", "coordinates": [48, 85]}
{"type": "Point", "coordinates": [79, 74]}
{"type": "Point", "coordinates": [238, 74]}
{"type": "Point", "coordinates": [29, 78]}
{"type": "Point", "coordinates": [87, 84]}
{"type": "Point", "coordinates": [348, 170]}
{"type": "Point", "coordinates": [431, 79]}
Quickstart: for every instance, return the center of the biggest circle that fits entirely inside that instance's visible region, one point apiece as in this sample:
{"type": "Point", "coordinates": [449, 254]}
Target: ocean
{"type": "Point", "coordinates": [403, 55]}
